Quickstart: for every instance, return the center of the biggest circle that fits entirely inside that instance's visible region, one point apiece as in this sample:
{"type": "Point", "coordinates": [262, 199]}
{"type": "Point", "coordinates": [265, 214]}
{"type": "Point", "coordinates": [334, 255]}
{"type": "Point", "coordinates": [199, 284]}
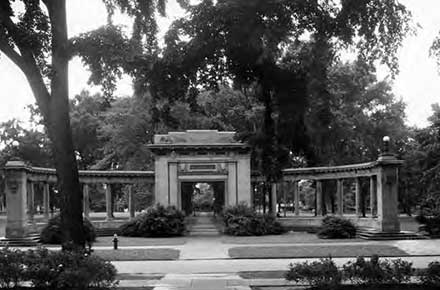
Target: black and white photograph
{"type": "Point", "coordinates": [220, 144]}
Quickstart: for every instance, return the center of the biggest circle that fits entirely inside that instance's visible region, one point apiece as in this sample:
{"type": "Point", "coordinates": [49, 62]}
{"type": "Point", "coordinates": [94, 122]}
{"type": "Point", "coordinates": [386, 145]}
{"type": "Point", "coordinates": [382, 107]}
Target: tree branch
{"type": "Point", "coordinates": [25, 61]}
{"type": "Point", "coordinates": [12, 54]}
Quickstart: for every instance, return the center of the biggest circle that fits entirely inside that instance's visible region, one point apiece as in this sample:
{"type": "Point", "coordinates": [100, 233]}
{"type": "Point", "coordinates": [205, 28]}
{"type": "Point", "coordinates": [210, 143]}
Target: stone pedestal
{"type": "Point", "coordinates": [387, 194]}
{"type": "Point", "coordinates": [18, 224]}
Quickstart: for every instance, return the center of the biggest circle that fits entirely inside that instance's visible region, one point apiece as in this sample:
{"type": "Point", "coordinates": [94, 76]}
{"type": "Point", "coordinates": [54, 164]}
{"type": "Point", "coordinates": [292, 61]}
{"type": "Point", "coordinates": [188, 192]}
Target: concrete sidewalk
{"type": "Point", "coordinates": [204, 264]}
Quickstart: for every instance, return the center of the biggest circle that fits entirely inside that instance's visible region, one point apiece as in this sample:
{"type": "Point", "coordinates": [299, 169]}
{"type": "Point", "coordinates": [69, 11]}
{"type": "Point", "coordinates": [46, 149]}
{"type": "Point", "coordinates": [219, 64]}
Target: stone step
{"type": "Point", "coordinates": [204, 231]}
{"type": "Point", "coordinates": [203, 234]}
{"type": "Point", "coordinates": [371, 234]}
{"type": "Point", "coordinates": [32, 240]}
{"type": "Point", "coordinates": [203, 227]}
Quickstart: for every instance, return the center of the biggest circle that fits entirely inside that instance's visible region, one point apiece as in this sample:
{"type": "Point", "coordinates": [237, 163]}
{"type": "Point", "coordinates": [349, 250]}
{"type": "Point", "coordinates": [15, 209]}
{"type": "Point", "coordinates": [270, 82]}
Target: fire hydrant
{"type": "Point", "coordinates": [115, 241]}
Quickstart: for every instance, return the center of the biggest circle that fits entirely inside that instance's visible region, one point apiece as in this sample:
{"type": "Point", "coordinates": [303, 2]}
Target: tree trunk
{"type": "Point", "coordinates": [59, 129]}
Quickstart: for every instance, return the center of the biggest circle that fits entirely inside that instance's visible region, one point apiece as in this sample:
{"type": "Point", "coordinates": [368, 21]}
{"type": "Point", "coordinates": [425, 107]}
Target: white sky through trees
{"type": "Point", "coordinates": [418, 82]}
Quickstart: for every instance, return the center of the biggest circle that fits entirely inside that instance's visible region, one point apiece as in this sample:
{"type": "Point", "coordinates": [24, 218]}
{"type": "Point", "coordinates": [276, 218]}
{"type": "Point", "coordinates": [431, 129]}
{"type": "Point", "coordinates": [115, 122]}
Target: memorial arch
{"type": "Point", "coordinates": [208, 156]}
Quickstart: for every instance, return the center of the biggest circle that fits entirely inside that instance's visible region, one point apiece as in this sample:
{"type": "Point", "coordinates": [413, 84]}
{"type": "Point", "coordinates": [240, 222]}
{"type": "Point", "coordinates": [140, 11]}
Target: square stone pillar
{"type": "Point", "coordinates": [130, 201]}
{"type": "Point", "coordinates": [340, 196]}
{"type": "Point", "coordinates": [319, 198]}
{"type": "Point", "coordinates": [232, 184]}
{"type": "Point", "coordinates": [387, 195]}
{"type": "Point", "coordinates": [30, 202]}
{"type": "Point", "coordinates": [172, 184]}
{"type": "Point", "coordinates": [108, 202]}
{"type": "Point", "coordinates": [161, 180]}
{"type": "Point", "coordinates": [86, 200]}
{"type": "Point", "coordinates": [373, 197]}
{"type": "Point", "coordinates": [17, 223]}
{"type": "Point", "coordinates": [296, 196]}
{"type": "Point", "coordinates": [244, 180]}
{"type": "Point", "coordinates": [273, 199]}
{"type": "Point", "coordinates": [358, 196]}
{"type": "Point", "coordinates": [46, 200]}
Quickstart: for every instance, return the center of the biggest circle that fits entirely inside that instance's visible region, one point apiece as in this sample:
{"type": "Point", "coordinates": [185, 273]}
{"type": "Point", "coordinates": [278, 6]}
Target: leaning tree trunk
{"type": "Point", "coordinates": [59, 129]}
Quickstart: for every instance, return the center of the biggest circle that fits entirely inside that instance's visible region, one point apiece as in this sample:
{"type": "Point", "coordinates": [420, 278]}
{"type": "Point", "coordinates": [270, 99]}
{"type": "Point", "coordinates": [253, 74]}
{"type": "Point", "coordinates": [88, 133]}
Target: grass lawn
{"type": "Point", "coordinates": [136, 241]}
{"type": "Point", "coordinates": [138, 254]}
{"type": "Point", "coordinates": [288, 238]}
{"type": "Point", "coordinates": [262, 274]}
{"type": "Point", "coordinates": [138, 277]}
{"type": "Point", "coordinates": [314, 251]}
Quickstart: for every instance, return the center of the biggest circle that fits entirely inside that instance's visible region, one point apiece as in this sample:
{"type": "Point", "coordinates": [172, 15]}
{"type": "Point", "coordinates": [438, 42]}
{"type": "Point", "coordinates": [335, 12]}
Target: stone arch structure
{"type": "Point", "coordinates": [201, 156]}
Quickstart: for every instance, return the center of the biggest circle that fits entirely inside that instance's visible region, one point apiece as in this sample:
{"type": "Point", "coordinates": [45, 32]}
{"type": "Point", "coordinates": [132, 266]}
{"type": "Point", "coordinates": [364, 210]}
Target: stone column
{"type": "Point", "coordinates": [232, 184]}
{"type": "Point", "coordinates": [358, 197]}
{"type": "Point", "coordinates": [130, 201]}
{"type": "Point", "coordinates": [319, 198]}
{"type": "Point", "coordinates": [284, 199]}
{"type": "Point", "coordinates": [173, 184]}
{"type": "Point", "coordinates": [108, 202]}
{"type": "Point", "coordinates": [372, 197]}
{"type": "Point", "coordinates": [296, 197]}
{"type": "Point", "coordinates": [340, 196]}
{"type": "Point", "coordinates": [86, 200]}
{"type": "Point", "coordinates": [46, 200]}
{"type": "Point", "coordinates": [273, 199]}
{"type": "Point", "coordinates": [387, 194]}
{"type": "Point", "coordinates": [31, 202]}
{"type": "Point", "coordinates": [17, 225]}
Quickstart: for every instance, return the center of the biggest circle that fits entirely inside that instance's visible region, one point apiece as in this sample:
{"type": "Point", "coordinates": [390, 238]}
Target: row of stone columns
{"type": "Point", "coordinates": [339, 197]}
{"type": "Point", "coordinates": [30, 206]}
{"type": "Point", "coordinates": [108, 201]}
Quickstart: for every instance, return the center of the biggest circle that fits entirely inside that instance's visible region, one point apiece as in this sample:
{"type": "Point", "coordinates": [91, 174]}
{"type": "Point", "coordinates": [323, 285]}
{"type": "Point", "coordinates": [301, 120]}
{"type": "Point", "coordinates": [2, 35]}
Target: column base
{"type": "Point", "coordinates": [20, 229]}
{"type": "Point", "coordinates": [374, 234]}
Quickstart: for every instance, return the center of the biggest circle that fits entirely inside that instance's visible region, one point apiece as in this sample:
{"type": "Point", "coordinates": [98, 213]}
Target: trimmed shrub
{"type": "Point", "coordinates": [12, 268]}
{"type": "Point", "coordinates": [242, 220]}
{"type": "Point", "coordinates": [56, 269]}
{"type": "Point", "coordinates": [52, 233]}
{"type": "Point", "coordinates": [431, 223]}
{"type": "Point", "coordinates": [374, 271]}
{"type": "Point", "coordinates": [431, 275]}
{"type": "Point", "coordinates": [158, 221]}
{"type": "Point", "coordinates": [336, 228]}
{"type": "Point", "coordinates": [319, 274]}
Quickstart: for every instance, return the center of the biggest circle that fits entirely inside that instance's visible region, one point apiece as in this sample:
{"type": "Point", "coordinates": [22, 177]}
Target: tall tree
{"type": "Point", "coordinates": [244, 42]}
{"type": "Point", "coordinates": [34, 37]}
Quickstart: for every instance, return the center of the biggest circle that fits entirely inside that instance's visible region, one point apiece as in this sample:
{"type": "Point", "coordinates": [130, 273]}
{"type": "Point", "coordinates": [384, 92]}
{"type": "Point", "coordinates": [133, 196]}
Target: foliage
{"type": "Point", "coordinates": [431, 275]}
{"type": "Point", "coordinates": [29, 144]}
{"type": "Point", "coordinates": [42, 53]}
{"type": "Point", "coordinates": [11, 267]}
{"type": "Point", "coordinates": [431, 224]}
{"type": "Point", "coordinates": [421, 171]}
{"type": "Point", "coordinates": [374, 271]}
{"type": "Point", "coordinates": [55, 269]}
{"type": "Point", "coordinates": [242, 220]}
{"type": "Point", "coordinates": [157, 221]}
{"type": "Point", "coordinates": [52, 233]}
{"type": "Point", "coordinates": [337, 228]}
{"type": "Point", "coordinates": [322, 274]}
{"type": "Point", "coordinates": [347, 124]}
{"type": "Point", "coordinates": [246, 42]}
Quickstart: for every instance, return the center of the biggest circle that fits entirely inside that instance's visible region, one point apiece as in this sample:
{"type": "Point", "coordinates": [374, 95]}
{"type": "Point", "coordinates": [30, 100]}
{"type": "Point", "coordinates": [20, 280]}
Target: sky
{"type": "Point", "coordinates": [418, 82]}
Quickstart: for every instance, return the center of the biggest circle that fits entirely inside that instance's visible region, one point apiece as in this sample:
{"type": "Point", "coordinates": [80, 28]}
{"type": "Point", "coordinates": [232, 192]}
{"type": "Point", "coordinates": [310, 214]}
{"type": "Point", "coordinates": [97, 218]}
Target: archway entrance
{"type": "Point", "coordinates": [206, 197]}
{"type": "Point", "coordinates": [201, 156]}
